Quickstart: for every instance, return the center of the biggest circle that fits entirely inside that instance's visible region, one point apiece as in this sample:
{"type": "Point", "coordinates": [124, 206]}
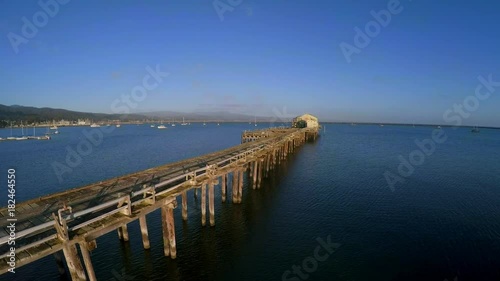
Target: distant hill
{"type": "Point", "coordinates": [29, 114]}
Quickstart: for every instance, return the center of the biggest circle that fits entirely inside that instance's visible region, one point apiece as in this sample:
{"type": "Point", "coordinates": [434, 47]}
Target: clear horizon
{"type": "Point", "coordinates": [265, 58]}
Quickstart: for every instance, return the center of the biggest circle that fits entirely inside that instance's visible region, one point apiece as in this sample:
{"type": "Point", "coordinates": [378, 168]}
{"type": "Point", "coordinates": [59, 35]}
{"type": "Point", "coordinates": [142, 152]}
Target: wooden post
{"type": "Point", "coordinates": [203, 204]}
{"type": "Point", "coordinates": [185, 205]}
{"type": "Point", "coordinates": [235, 186]}
{"type": "Point", "coordinates": [224, 187]}
{"type": "Point", "coordinates": [171, 231]}
{"type": "Point", "coordinates": [69, 251]}
{"type": "Point", "coordinates": [255, 169]}
{"type": "Point", "coordinates": [144, 232]}
{"type": "Point", "coordinates": [88, 262]}
{"type": "Point", "coordinates": [268, 163]}
{"type": "Point", "coordinates": [259, 174]}
{"type": "Point", "coordinates": [124, 233]}
{"type": "Point", "coordinates": [119, 231]}
{"type": "Point", "coordinates": [166, 242]}
{"type": "Point", "coordinates": [240, 186]}
{"type": "Point", "coordinates": [195, 192]}
{"type": "Point", "coordinates": [73, 261]}
{"type": "Point", "coordinates": [211, 203]}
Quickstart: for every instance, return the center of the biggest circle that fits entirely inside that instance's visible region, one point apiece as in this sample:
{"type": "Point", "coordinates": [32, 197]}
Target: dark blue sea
{"type": "Point", "coordinates": [328, 213]}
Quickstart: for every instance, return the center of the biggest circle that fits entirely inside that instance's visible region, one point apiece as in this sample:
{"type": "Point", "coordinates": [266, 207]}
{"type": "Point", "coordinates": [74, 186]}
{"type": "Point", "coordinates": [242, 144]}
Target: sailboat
{"type": "Point", "coordinates": [54, 127]}
{"type": "Point", "coordinates": [183, 122]}
{"type": "Point", "coordinates": [255, 121]}
{"type": "Point", "coordinates": [94, 125]}
{"type": "Point", "coordinates": [173, 123]}
{"type": "Point", "coordinates": [11, 137]}
{"type": "Point", "coordinates": [204, 123]}
{"type": "Point", "coordinates": [23, 137]}
{"type": "Point", "coordinates": [475, 129]}
{"type": "Point", "coordinates": [161, 126]}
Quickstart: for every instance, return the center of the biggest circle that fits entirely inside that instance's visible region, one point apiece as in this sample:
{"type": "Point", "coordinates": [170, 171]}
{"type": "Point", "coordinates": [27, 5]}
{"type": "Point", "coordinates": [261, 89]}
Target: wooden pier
{"type": "Point", "coordinates": [75, 218]}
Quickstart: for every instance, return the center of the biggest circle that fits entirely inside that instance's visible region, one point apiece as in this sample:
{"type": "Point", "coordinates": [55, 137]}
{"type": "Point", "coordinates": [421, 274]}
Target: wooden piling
{"type": "Point", "coordinates": [88, 262]}
{"type": "Point", "coordinates": [144, 232]}
{"type": "Point", "coordinates": [259, 174]}
{"type": "Point", "coordinates": [171, 231]}
{"type": "Point", "coordinates": [166, 242]}
{"type": "Point", "coordinates": [73, 262]}
{"type": "Point", "coordinates": [255, 169]}
{"type": "Point", "coordinates": [223, 187]}
{"type": "Point", "coordinates": [211, 203]}
{"type": "Point", "coordinates": [184, 205]}
{"type": "Point", "coordinates": [240, 186]}
{"type": "Point", "coordinates": [235, 186]}
{"type": "Point", "coordinates": [203, 204]}
{"type": "Point", "coordinates": [124, 233]}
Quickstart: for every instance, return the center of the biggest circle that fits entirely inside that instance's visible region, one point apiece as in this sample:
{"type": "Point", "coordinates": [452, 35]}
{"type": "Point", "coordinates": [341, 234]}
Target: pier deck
{"type": "Point", "coordinates": [60, 221]}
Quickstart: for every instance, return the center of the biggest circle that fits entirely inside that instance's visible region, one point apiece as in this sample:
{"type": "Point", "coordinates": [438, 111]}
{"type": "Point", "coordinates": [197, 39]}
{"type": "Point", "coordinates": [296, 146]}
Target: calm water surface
{"type": "Point", "coordinates": [442, 222]}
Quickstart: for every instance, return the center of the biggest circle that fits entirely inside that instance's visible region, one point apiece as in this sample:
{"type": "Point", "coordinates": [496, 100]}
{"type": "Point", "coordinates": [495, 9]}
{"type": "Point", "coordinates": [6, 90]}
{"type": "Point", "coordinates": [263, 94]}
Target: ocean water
{"type": "Point", "coordinates": [441, 223]}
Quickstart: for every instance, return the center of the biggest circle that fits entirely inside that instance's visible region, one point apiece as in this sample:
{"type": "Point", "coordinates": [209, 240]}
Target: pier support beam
{"type": "Point", "coordinates": [224, 187]}
{"type": "Point", "coordinates": [73, 262]}
{"type": "Point", "coordinates": [184, 205]}
{"type": "Point", "coordinates": [211, 208]}
{"type": "Point", "coordinates": [123, 233]}
{"type": "Point", "coordinates": [235, 186]}
{"type": "Point", "coordinates": [255, 169]}
{"type": "Point", "coordinates": [259, 173]}
{"type": "Point", "coordinates": [168, 225]}
{"type": "Point", "coordinates": [171, 232]}
{"type": "Point", "coordinates": [144, 232]}
{"type": "Point", "coordinates": [164, 224]}
{"type": "Point", "coordinates": [268, 163]}
{"type": "Point", "coordinates": [240, 186]}
{"type": "Point", "coordinates": [203, 204]}
{"type": "Point", "coordinates": [85, 248]}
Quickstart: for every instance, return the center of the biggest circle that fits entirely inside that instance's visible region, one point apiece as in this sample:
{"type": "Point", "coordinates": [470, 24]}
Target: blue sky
{"type": "Point", "coordinates": [269, 57]}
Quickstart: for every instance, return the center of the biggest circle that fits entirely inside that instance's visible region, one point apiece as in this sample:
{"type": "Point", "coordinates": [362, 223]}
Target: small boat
{"type": "Point", "coordinates": [183, 123]}
{"type": "Point", "coordinates": [118, 125]}
{"type": "Point", "coordinates": [152, 126]}
{"type": "Point", "coordinates": [439, 127]}
{"type": "Point", "coordinates": [475, 129]}
{"type": "Point", "coordinates": [22, 138]}
{"type": "Point", "coordinates": [94, 125]}
{"type": "Point", "coordinates": [162, 127]}
{"type": "Point", "coordinates": [56, 132]}
{"type": "Point", "coordinates": [173, 125]}
{"type": "Point", "coordinates": [53, 128]}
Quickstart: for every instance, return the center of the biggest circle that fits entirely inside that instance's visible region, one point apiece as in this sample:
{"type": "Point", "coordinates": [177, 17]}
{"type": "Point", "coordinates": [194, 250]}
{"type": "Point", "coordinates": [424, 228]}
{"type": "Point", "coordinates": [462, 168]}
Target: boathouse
{"type": "Point", "coordinates": [305, 120]}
